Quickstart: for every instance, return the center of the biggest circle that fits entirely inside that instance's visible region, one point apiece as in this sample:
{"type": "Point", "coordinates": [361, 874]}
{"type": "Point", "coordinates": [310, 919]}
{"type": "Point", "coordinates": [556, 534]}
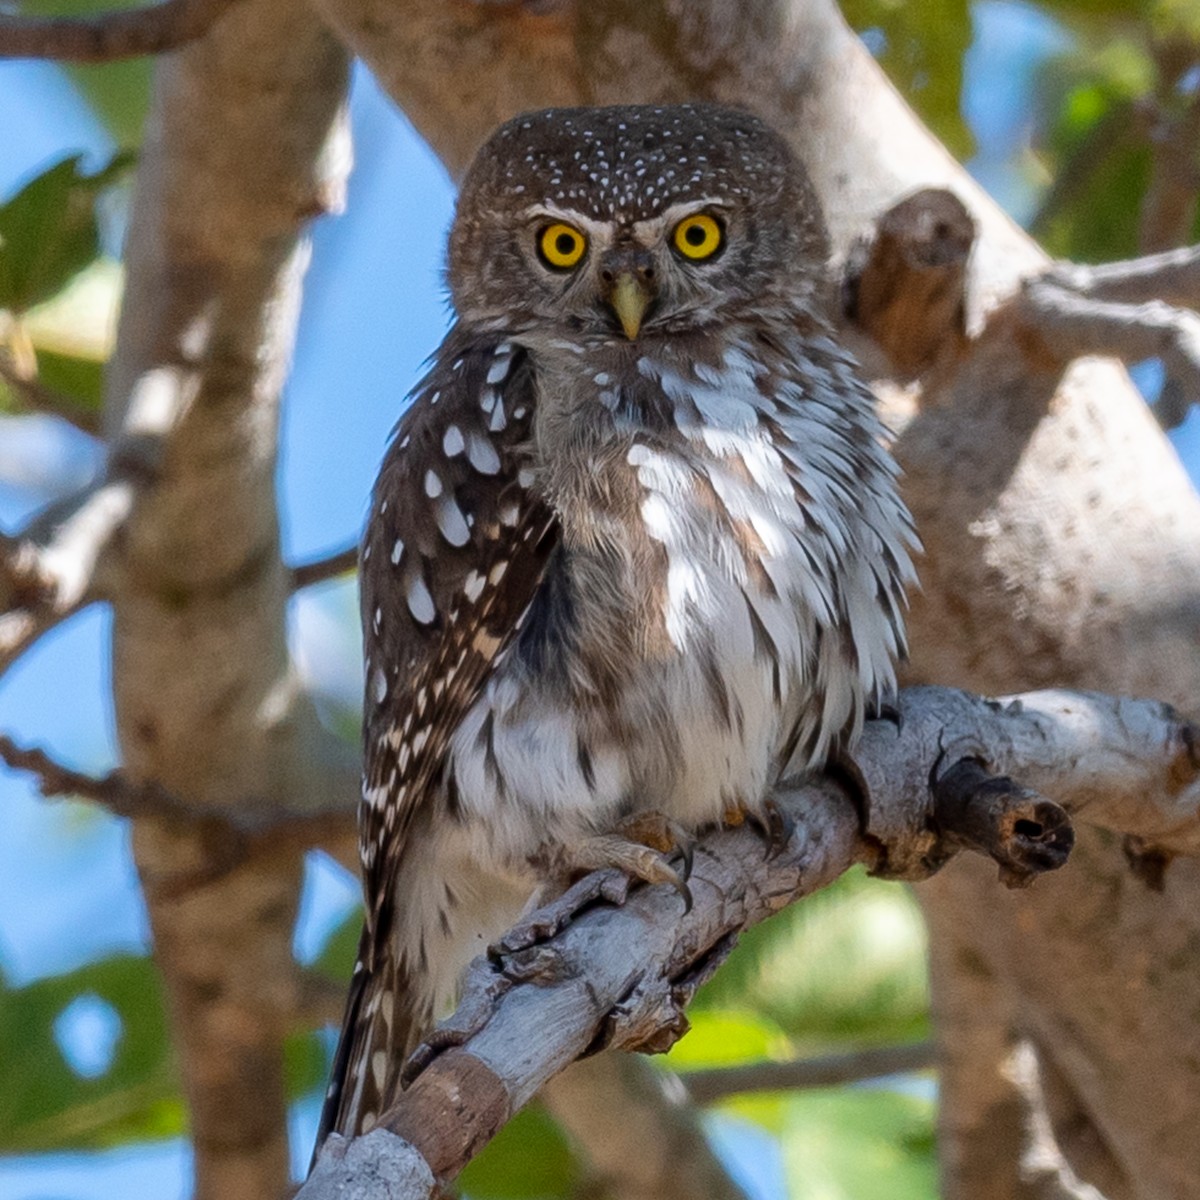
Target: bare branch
{"type": "Point", "coordinates": [1072, 326]}
{"type": "Point", "coordinates": [569, 972]}
{"type": "Point", "coordinates": [828, 1071]}
{"type": "Point", "coordinates": [320, 569]}
{"type": "Point", "coordinates": [51, 571]}
{"type": "Point", "coordinates": [37, 397]}
{"type": "Point", "coordinates": [1172, 276]}
{"type": "Point", "coordinates": [112, 35]}
{"type": "Point", "coordinates": [232, 833]}
{"type": "Point", "coordinates": [114, 791]}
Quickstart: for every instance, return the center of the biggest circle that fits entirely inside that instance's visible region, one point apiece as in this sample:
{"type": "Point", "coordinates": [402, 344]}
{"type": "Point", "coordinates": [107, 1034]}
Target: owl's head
{"type": "Point", "coordinates": [633, 221]}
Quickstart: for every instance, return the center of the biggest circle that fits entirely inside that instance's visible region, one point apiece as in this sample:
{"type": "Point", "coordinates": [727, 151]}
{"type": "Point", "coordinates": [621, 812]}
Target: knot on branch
{"type": "Point", "coordinates": [1025, 833]}
{"type": "Point", "coordinates": [24, 583]}
{"type": "Point", "coordinates": [918, 819]}
{"type": "Point", "coordinates": [906, 283]}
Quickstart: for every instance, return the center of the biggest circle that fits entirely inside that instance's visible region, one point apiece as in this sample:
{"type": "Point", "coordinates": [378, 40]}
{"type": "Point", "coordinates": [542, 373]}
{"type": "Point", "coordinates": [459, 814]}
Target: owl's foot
{"type": "Point", "coordinates": [638, 848]}
{"type": "Point", "coordinates": [771, 822]}
{"type": "Point", "coordinates": [547, 920]}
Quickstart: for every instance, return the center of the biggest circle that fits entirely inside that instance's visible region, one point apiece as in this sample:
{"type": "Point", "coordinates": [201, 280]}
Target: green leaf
{"type": "Point", "coordinates": [860, 1144]}
{"type": "Point", "coordinates": [845, 965]}
{"type": "Point", "coordinates": [341, 949]}
{"type": "Point", "coordinates": [48, 231]}
{"type": "Point", "coordinates": [527, 1160]}
{"type": "Point", "coordinates": [923, 49]}
{"type": "Point", "coordinates": [45, 1105]}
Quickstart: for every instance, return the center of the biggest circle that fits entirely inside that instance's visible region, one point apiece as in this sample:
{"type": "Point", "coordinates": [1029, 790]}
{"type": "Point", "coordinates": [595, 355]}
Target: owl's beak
{"type": "Point", "coordinates": [629, 295]}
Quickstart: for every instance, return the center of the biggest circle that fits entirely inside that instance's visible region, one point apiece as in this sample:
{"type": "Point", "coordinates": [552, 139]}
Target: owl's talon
{"type": "Point", "coordinates": [773, 824]}
{"type": "Point", "coordinates": [638, 850]}
{"type": "Point", "coordinates": [687, 850]}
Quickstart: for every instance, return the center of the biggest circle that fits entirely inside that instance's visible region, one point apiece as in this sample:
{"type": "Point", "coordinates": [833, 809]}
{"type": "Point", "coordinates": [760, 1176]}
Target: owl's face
{"type": "Point", "coordinates": [632, 222]}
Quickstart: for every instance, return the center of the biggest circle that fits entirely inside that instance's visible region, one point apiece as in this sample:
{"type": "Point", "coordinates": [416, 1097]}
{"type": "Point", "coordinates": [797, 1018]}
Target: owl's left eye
{"type": "Point", "coordinates": [698, 237]}
{"type": "Point", "coordinates": [561, 246]}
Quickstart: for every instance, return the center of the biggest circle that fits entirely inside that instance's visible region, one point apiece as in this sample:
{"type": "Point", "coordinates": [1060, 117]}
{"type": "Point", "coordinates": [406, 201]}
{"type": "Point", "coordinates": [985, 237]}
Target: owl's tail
{"type": "Point", "coordinates": [386, 1018]}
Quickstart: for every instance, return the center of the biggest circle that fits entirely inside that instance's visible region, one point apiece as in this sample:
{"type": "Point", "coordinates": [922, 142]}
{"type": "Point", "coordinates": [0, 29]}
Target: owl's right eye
{"type": "Point", "coordinates": [561, 246]}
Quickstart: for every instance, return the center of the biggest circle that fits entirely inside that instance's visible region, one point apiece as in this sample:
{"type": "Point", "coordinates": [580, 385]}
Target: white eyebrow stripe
{"type": "Point", "coordinates": [572, 216]}
{"type": "Point", "coordinates": [652, 226]}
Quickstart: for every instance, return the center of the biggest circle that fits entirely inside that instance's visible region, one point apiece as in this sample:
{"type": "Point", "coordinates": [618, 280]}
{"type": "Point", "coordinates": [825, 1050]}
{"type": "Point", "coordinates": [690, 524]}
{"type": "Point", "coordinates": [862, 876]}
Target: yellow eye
{"type": "Point", "coordinates": [561, 246]}
{"type": "Point", "coordinates": [698, 236]}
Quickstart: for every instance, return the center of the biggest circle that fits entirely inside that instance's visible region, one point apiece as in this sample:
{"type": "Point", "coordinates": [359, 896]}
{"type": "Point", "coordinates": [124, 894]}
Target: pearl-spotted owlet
{"type": "Point", "coordinates": [634, 551]}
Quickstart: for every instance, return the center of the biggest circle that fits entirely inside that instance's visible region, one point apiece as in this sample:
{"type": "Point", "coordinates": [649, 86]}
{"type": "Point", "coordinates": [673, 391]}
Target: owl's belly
{"type": "Point", "coordinates": [699, 724]}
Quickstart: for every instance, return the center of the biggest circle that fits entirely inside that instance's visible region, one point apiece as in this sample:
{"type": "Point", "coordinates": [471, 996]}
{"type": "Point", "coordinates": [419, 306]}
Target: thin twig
{"type": "Point", "coordinates": [827, 1071]}
{"type": "Point", "coordinates": [112, 35]}
{"type": "Point", "coordinates": [36, 396]}
{"type": "Point", "coordinates": [320, 569]}
{"type": "Point", "coordinates": [114, 790]}
{"type": "Point", "coordinates": [233, 831]}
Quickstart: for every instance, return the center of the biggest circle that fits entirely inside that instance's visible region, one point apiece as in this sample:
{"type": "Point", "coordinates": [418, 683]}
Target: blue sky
{"type": "Point", "coordinates": [373, 311]}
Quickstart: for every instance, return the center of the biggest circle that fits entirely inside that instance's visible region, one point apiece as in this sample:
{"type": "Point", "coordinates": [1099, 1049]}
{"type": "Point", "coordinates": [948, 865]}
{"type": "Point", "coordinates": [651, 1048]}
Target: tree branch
{"type": "Point", "coordinates": [51, 571]}
{"type": "Point", "coordinates": [320, 569]}
{"type": "Point", "coordinates": [232, 832]}
{"type": "Point", "coordinates": [1172, 276]}
{"type": "Point", "coordinates": [569, 971]}
{"type": "Point", "coordinates": [1072, 326]}
{"type": "Point", "coordinates": [112, 35]}
{"type": "Point", "coordinates": [830, 1070]}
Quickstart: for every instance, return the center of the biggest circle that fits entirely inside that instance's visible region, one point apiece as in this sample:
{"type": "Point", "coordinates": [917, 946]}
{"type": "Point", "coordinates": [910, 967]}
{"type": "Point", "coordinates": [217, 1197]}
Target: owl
{"type": "Point", "coordinates": [635, 550]}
